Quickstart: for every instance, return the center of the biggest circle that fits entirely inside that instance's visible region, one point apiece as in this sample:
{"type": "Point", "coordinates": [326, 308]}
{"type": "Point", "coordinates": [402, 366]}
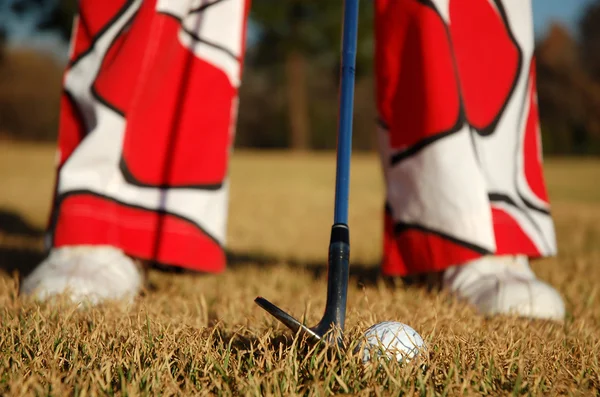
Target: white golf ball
{"type": "Point", "coordinates": [393, 340]}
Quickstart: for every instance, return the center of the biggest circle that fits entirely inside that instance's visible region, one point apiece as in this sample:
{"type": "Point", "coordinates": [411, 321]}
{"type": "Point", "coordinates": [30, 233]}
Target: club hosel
{"type": "Point", "coordinates": [337, 278]}
{"type": "Point", "coordinates": [340, 233]}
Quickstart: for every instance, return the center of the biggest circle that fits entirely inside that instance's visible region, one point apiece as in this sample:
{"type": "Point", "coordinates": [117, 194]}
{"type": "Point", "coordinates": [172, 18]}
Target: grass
{"type": "Point", "coordinates": [203, 335]}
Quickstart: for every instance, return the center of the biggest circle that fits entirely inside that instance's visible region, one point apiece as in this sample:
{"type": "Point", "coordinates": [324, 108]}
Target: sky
{"type": "Point", "coordinates": [567, 12]}
{"type": "Point", "coordinates": [22, 33]}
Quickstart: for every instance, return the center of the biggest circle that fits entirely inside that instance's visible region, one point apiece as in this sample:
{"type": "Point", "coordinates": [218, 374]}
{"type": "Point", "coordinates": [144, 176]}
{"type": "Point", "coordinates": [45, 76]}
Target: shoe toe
{"type": "Point", "coordinates": [522, 297]}
{"type": "Point", "coordinates": [89, 275]}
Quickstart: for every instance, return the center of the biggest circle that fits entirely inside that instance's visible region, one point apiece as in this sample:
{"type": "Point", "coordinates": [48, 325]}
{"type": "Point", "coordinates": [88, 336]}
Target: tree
{"type": "Point", "coordinates": [2, 43]}
{"type": "Point", "coordinates": [590, 39]}
{"type": "Point", "coordinates": [298, 35]}
{"type": "Point", "coordinates": [46, 14]}
{"type": "Point", "coordinates": [61, 18]}
{"type": "Point", "coordinates": [569, 98]}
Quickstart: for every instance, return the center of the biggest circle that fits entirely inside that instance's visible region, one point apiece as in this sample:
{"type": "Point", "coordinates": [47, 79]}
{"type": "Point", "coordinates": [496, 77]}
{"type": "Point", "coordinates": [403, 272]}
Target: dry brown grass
{"type": "Point", "coordinates": [194, 335]}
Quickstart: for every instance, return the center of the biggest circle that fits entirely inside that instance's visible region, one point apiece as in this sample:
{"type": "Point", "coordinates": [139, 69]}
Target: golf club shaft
{"type": "Point", "coordinates": [346, 111]}
{"type": "Point", "coordinates": [339, 245]}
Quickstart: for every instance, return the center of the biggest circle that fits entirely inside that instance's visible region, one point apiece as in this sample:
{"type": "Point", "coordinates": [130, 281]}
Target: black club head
{"type": "Point", "coordinates": [337, 291]}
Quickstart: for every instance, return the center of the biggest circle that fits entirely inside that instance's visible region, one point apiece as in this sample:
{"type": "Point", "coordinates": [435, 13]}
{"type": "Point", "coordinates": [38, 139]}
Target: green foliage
{"type": "Point", "coordinates": [590, 39]}
{"type": "Point", "coordinates": [47, 15]}
{"type": "Point", "coordinates": [313, 29]}
{"type": "Point", "coordinates": [568, 79]}
{"type": "Point", "coordinates": [311, 26]}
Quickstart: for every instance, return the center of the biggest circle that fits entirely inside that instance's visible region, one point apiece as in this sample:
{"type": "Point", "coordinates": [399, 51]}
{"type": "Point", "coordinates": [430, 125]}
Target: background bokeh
{"type": "Point", "coordinates": [293, 52]}
{"type": "Point", "coordinates": [198, 334]}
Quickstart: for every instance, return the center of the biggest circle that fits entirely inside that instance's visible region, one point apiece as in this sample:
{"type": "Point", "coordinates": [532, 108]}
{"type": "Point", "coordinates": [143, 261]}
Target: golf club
{"type": "Point", "coordinates": [339, 244]}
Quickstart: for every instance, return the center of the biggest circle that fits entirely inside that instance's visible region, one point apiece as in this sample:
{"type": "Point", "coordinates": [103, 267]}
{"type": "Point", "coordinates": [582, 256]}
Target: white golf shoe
{"type": "Point", "coordinates": [504, 285]}
{"type": "Point", "coordinates": [86, 274]}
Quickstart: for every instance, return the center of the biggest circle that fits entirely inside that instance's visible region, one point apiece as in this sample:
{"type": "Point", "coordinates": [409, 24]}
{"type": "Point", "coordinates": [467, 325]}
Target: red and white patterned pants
{"type": "Point", "coordinates": [148, 118]}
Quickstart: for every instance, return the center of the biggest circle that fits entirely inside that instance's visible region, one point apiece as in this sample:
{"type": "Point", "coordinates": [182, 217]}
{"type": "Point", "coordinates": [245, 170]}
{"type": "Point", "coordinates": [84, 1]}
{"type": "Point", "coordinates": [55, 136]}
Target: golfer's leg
{"type": "Point", "coordinates": [460, 149]}
{"type": "Point", "coordinates": [146, 132]}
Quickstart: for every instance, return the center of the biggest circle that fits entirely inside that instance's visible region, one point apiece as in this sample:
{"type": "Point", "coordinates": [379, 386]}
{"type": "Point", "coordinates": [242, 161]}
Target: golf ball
{"type": "Point", "coordinates": [393, 340]}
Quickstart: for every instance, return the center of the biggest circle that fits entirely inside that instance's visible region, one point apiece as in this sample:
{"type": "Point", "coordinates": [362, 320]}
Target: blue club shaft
{"type": "Point", "coordinates": [346, 111]}
{"type": "Point", "coordinates": [339, 245]}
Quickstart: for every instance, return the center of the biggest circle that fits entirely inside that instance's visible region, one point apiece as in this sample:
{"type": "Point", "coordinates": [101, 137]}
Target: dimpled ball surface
{"type": "Point", "coordinates": [392, 338]}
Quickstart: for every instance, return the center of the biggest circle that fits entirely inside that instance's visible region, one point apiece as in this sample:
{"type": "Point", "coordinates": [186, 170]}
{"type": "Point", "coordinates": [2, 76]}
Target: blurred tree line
{"type": "Point", "coordinates": [289, 92]}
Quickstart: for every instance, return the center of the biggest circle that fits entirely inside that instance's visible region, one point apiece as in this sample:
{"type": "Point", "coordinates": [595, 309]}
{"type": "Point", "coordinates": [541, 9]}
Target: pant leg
{"type": "Point", "coordinates": [459, 133]}
{"type": "Point", "coordinates": [147, 126]}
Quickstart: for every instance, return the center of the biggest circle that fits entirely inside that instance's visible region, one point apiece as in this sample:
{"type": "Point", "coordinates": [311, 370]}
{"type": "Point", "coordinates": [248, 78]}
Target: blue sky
{"type": "Point", "coordinates": [567, 12]}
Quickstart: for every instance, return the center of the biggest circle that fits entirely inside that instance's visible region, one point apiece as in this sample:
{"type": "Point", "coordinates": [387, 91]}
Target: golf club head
{"type": "Point", "coordinates": [330, 328]}
{"type": "Point", "coordinates": [289, 321]}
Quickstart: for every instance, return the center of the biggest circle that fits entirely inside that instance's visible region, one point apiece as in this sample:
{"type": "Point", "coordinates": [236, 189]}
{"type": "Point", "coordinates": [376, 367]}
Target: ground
{"type": "Point", "coordinates": [191, 335]}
